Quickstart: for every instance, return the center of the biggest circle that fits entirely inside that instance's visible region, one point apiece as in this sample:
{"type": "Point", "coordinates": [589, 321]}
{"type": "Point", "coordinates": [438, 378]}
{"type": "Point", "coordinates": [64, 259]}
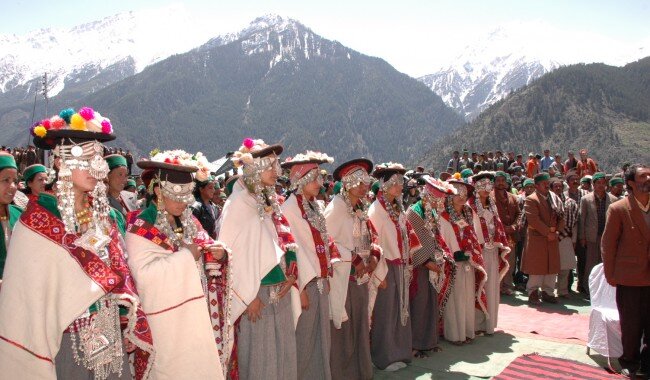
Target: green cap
{"type": "Point", "coordinates": [115, 161]}
{"type": "Point", "coordinates": [7, 161]}
{"type": "Point", "coordinates": [466, 173]}
{"type": "Point", "coordinates": [31, 171]}
{"type": "Point", "coordinates": [337, 187]}
{"type": "Point", "coordinates": [615, 181]}
{"type": "Point", "coordinates": [597, 176]}
{"type": "Point", "coordinates": [542, 177]}
{"type": "Point", "coordinates": [585, 179]}
{"type": "Point", "coordinates": [130, 183]}
{"type": "Point", "coordinates": [501, 173]}
{"type": "Point", "coordinates": [528, 182]}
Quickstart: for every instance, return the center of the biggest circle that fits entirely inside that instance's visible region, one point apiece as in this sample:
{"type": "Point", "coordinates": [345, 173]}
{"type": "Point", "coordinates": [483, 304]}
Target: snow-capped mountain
{"type": "Point", "coordinates": [287, 37]}
{"type": "Point", "coordinates": [123, 44]}
{"type": "Point", "coordinates": [512, 56]}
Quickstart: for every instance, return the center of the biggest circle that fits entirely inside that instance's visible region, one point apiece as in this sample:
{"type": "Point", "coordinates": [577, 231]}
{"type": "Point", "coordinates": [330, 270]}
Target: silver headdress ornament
{"type": "Point", "coordinates": [96, 338]}
{"type": "Point", "coordinates": [356, 178]}
{"type": "Point", "coordinates": [253, 167]}
{"type": "Point", "coordinates": [84, 156]}
{"type": "Point", "coordinates": [304, 168]}
{"type": "Point", "coordinates": [178, 192]}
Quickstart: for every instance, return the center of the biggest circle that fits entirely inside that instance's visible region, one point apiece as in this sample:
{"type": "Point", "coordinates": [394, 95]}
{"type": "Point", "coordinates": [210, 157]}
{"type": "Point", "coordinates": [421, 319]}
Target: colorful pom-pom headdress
{"type": "Point", "coordinates": [76, 138]}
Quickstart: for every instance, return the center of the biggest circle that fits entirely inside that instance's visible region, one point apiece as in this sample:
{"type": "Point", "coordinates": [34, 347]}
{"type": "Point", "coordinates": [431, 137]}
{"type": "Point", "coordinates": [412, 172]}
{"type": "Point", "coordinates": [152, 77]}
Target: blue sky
{"type": "Point", "coordinates": [399, 31]}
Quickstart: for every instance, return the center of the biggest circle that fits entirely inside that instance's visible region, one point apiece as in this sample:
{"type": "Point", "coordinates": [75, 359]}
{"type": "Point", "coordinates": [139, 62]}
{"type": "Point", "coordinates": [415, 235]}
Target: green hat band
{"type": "Point", "coordinates": [528, 182]}
{"type": "Point", "coordinates": [130, 183]}
{"type": "Point", "coordinates": [597, 176]}
{"type": "Point", "coordinates": [466, 173]}
{"type": "Point", "coordinates": [542, 177]}
{"type": "Point", "coordinates": [7, 161]}
{"type": "Point", "coordinates": [616, 181]}
{"type": "Point", "coordinates": [31, 171]}
{"type": "Point", "coordinates": [115, 161]}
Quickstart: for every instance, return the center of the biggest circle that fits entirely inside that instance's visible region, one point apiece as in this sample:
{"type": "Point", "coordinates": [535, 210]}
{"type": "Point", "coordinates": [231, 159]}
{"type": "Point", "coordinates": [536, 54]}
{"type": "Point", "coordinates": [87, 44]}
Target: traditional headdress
{"type": "Point", "coordinates": [436, 192]}
{"type": "Point", "coordinates": [353, 172]}
{"type": "Point", "coordinates": [77, 137]}
{"type": "Point", "coordinates": [483, 181]}
{"type": "Point", "coordinates": [255, 157]}
{"type": "Point", "coordinates": [173, 171]}
{"type": "Point", "coordinates": [389, 174]}
{"type": "Point", "coordinates": [304, 168]}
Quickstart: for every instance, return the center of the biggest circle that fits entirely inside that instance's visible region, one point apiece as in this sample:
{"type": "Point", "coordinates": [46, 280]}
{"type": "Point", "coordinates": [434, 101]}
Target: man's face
{"type": "Point", "coordinates": [641, 182]}
{"type": "Point", "coordinates": [617, 189]}
{"type": "Point", "coordinates": [529, 189]}
{"type": "Point", "coordinates": [543, 187]}
{"type": "Point", "coordinates": [500, 183]}
{"type": "Point", "coordinates": [557, 188]}
{"type": "Point", "coordinates": [558, 159]}
{"type": "Point", "coordinates": [586, 185]}
{"type": "Point", "coordinates": [600, 186]}
{"type": "Point", "coordinates": [455, 155]}
{"type": "Point", "coordinates": [583, 155]}
{"type": "Point", "coordinates": [547, 153]}
{"type": "Point", "coordinates": [573, 182]}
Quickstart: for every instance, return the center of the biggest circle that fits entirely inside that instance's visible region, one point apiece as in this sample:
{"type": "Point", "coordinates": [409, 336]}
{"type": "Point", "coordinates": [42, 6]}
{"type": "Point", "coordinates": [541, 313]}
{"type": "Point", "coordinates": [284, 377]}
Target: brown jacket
{"type": "Point", "coordinates": [541, 256]}
{"type": "Point", "coordinates": [625, 245]}
{"type": "Point", "coordinates": [509, 213]}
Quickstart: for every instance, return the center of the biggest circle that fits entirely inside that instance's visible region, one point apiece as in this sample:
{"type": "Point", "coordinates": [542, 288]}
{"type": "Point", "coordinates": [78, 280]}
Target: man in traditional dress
{"type": "Point", "coordinates": [390, 334]}
{"type": "Point", "coordinates": [458, 224]}
{"type": "Point", "coordinates": [626, 261]}
{"type": "Point", "coordinates": [567, 238]}
{"type": "Point", "coordinates": [510, 215]}
{"type": "Point", "coordinates": [356, 276]}
{"type": "Point", "coordinates": [434, 268]}
{"type": "Point", "coordinates": [496, 248]}
{"type": "Point", "coordinates": [68, 306]}
{"type": "Point", "coordinates": [586, 166]}
{"type": "Point", "coordinates": [541, 257]}
{"type": "Point", "coordinates": [316, 253]}
{"type": "Point", "coordinates": [616, 187]}
{"type": "Point", "coordinates": [264, 266]}
{"type": "Point", "coordinates": [593, 215]}
{"type": "Point", "coordinates": [165, 242]}
{"type": "Point", "coordinates": [120, 199]}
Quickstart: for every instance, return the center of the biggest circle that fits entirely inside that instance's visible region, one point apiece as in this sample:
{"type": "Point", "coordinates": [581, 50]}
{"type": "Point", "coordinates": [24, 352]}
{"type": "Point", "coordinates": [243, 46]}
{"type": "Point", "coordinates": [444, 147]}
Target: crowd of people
{"type": "Point", "coordinates": [281, 270]}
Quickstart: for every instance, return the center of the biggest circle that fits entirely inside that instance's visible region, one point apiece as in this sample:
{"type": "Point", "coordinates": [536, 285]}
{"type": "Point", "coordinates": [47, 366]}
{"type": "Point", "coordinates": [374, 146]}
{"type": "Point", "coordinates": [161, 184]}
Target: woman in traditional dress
{"type": "Point", "coordinates": [35, 179]}
{"type": "Point", "coordinates": [457, 226]}
{"type": "Point", "coordinates": [69, 307]}
{"type": "Point", "coordinates": [316, 253]}
{"type": "Point", "coordinates": [434, 268]}
{"type": "Point", "coordinates": [353, 277]}
{"type": "Point", "coordinates": [116, 180]}
{"type": "Point", "coordinates": [9, 213]}
{"type": "Point", "coordinates": [390, 335]}
{"type": "Point", "coordinates": [263, 266]}
{"type": "Point", "coordinates": [166, 245]}
{"type": "Point", "coordinates": [203, 208]}
{"type": "Point", "coordinates": [492, 236]}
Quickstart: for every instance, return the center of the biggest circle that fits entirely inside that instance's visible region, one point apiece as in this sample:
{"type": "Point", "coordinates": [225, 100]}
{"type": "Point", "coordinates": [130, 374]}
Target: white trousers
{"type": "Point", "coordinates": [544, 281]}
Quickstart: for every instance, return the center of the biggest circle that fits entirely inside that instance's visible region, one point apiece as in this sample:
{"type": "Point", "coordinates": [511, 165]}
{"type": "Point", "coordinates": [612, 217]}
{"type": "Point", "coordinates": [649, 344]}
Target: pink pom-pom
{"type": "Point", "coordinates": [87, 113]}
{"type": "Point", "coordinates": [248, 143]}
{"type": "Point", "coordinates": [56, 122]}
{"type": "Point", "coordinates": [46, 123]}
{"type": "Point", "coordinates": [106, 126]}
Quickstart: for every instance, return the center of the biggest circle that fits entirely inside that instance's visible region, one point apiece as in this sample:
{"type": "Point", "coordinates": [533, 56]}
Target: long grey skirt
{"type": "Point", "coordinates": [424, 312]}
{"type": "Point", "coordinates": [350, 351]}
{"type": "Point", "coordinates": [313, 336]}
{"type": "Point", "coordinates": [390, 342]}
{"type": "Point", "coordinates": [267, 348]}
{"type": "Point", "coordinates": [67, 368]}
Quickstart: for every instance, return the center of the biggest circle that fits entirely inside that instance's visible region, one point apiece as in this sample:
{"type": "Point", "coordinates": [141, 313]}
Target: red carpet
{"type": "Point", "coordinates": [533, 366]}
{"type": "Point", "coordinates": [547, 323]}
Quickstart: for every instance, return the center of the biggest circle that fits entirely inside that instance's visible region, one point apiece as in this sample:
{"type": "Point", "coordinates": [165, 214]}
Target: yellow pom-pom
{"type": "Point", "coordinates": [40, 131]}
{"type": "Point", "coordinates": [77, 122]}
